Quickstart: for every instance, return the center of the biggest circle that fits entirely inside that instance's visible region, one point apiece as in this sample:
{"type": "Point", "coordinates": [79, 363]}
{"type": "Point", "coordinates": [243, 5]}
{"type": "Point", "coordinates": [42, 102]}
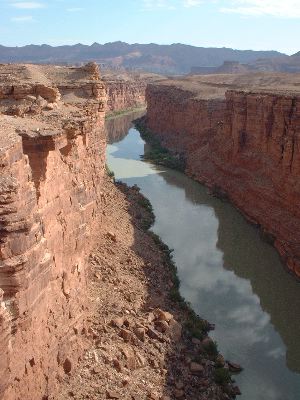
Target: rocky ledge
{"type": "Point", "coordinates": [52, 160]}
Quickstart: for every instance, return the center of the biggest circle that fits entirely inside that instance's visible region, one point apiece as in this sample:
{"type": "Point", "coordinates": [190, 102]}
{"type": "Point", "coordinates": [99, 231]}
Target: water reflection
{"type": "Point", "coordinates": [250, 258]}
{"type": "Point", "coordinates": [227, 272]}
{"type": "Point", "coordinates": [118, 127]}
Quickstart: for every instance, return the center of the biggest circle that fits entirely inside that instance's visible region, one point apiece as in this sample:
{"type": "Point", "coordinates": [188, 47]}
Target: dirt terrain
{"type": "Point", "coordinates": [139, 346]}
{"type": "Point", "coordinates": [215, 86]}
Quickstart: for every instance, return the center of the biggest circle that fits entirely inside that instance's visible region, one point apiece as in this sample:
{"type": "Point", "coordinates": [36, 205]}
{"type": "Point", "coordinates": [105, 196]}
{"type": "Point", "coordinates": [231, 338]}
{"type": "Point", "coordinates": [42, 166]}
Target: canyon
{"type": "Point", "coordinates": [239, 134]}
{"type": "Point", "coordinates": [82, 313]}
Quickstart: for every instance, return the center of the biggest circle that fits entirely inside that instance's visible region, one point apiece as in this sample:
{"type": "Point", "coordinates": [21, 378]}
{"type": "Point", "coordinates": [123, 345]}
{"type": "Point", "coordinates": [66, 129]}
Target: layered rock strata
{"type": "Point", "coordinates": [52, 160]}
{"type": "Point", "coordinates": [125, 94]}
{"type": "Point", "coordinates": [126, 91]}
{"type": "Point", "coordinates": [240, 142]}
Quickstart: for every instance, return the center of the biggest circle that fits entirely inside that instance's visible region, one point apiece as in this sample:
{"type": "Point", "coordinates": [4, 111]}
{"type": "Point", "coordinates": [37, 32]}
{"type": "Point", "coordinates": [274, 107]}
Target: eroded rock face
{"type": "Point", "coordinates": [242, 143]}
{"type": "Point", "coordinates": [52, 163]}
{"type": "Point", "coordinates": [123, 95]}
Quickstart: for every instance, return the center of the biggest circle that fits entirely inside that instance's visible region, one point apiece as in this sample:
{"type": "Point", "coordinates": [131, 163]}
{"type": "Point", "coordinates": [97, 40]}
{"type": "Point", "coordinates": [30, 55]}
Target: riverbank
{"type": "Point", "coordinates": [123, 112]}
{"type": "Point", "coordinates": [164, 156]}
{"type": "Point", "coordinates": [142, 344]}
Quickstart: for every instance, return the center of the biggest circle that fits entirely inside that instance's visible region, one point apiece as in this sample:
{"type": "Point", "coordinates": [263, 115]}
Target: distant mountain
{"type": "Point", "coordinates": [283, 63]}
{"type": "Point", "coordinates": [168, 59]}
{"type": "Point", "coordinates": [290, 64]}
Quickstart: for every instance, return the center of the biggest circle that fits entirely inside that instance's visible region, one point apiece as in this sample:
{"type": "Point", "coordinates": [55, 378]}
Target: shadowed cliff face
{"type": "Point", "coordinates": [118, 127]}
{"type": "Point", "coordinates": [246, 144]}
{"type": "Point", "coordinates": [52, 163]}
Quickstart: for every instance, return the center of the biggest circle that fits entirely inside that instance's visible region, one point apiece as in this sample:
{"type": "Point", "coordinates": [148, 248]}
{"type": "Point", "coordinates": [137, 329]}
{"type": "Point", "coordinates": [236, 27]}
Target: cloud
{"type": "Point", "coordinates": [154, 4]}
{"type": "Point", "coordinates": [256, 8]}
{"type": "Point", "coordinates": [24, 18]}
{"type": "Point", "coordinates": [192, 3]}
{"type": "Point", "coordinates": [28, 5]}
{"type": "Point", "coordinates": [274, 8]}
{"type": "Point", "coordinates": [170, 4]}
{"type": "Point", "coordinates": [75, 9]}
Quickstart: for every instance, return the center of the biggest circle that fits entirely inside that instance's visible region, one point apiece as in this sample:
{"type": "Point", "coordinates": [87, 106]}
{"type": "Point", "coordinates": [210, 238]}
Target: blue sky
{"type": "Point", "coordinates": [240, 24]}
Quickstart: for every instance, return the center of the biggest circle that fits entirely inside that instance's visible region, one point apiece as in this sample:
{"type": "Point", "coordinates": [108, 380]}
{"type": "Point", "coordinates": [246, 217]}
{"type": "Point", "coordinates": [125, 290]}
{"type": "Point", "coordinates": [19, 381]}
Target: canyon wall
{"type": "Point", "coordinates": [125, 94]}
{"type": "Point", "coordinates": [242, 143]}
{"type": "Point", "coordinates": [52, 160]}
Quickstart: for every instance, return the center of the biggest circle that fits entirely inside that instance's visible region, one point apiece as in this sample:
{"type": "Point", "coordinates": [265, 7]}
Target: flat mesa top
{"type": "Point", "coordinates": [8, 134]}
{"type": "Point", "coordinates": [37, 98]}
{"type": "Point", "coordinates": [44, 74]}
{"type": "Point", "coordinates": [10, 127]}
{"type": "Point", "coordinates": [215, 86]}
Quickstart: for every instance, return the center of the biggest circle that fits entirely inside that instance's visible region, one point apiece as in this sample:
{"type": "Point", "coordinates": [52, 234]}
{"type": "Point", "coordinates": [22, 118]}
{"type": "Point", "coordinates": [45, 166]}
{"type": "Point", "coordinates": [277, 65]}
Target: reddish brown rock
{"type": "Point", "coordinates": [111, 394]}
{"type": "Point", "coordinates": [125, 92]}
{"type": "Point", "coordinates": [140, 333]}
{"type": "Point", "coordinates": [126, 335]}
{"type": "Point", "coordinates": [175, 330]}
{"type": "Point", "coordinates": [162, 315]}
{"type": "Point", "coordinates": [196, 368]}
{"type": "Point", "coordinates": [52, 166]}
{"type": "Point", "coordinates": [118, 322]}
{"type": "Point", "coordinates": [161, 326]}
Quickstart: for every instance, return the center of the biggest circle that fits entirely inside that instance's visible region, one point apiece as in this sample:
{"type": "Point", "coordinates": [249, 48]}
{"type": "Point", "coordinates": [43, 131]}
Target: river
{"type": "Point", "coordinates": [229, 274]}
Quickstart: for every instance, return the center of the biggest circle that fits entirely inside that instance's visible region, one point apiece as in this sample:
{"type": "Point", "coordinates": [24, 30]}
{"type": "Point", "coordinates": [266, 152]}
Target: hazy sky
{"type": "Point", "coordinates": [241, 24]}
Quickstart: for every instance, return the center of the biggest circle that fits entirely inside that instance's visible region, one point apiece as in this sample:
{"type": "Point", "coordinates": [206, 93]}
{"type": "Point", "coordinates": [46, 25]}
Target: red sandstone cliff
{"type": "Point", "coordinates": [244, 143]}
{"type": "Point", "coordinates": [127, 90]}
{"type": "Point", "coordinates": [124, 95]}
{"type": "Point", "coordinates": [52, 155]}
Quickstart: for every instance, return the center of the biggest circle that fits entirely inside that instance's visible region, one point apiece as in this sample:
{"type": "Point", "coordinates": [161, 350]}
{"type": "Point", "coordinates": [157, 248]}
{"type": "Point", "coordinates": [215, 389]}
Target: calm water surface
{"type": "Point", "coordinates": [230, 276]}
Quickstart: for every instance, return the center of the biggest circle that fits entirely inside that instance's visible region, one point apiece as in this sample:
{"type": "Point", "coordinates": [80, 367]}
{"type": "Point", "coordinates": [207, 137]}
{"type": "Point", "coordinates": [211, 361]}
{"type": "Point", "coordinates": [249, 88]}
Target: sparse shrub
{"type": "Point", "coordinates": [222, 376]}
{"type": "Point", "coordinates": [176, 297]}
{"type": "Point", "coordinates": [120, 113]}
{"type": "Point", "coordinates": [109, 172]}
{"type": "Point", "coordinates": [145, 203]}
{"type": "Point", "coordinates": [211, 349]}
{"type": "Point", "coordinates": [147, 221]}
{"type": "Point", "coordinates": [157, 153]}
{"type": "Point", "coordinates": [218, 192]}
{"type": "Point", "coordinates": [196, 326]}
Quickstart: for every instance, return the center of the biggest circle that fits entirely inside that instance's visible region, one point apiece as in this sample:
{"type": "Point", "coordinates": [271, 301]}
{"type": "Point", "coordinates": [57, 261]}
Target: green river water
{"type": "Point", "coordinates": [227, 272]}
